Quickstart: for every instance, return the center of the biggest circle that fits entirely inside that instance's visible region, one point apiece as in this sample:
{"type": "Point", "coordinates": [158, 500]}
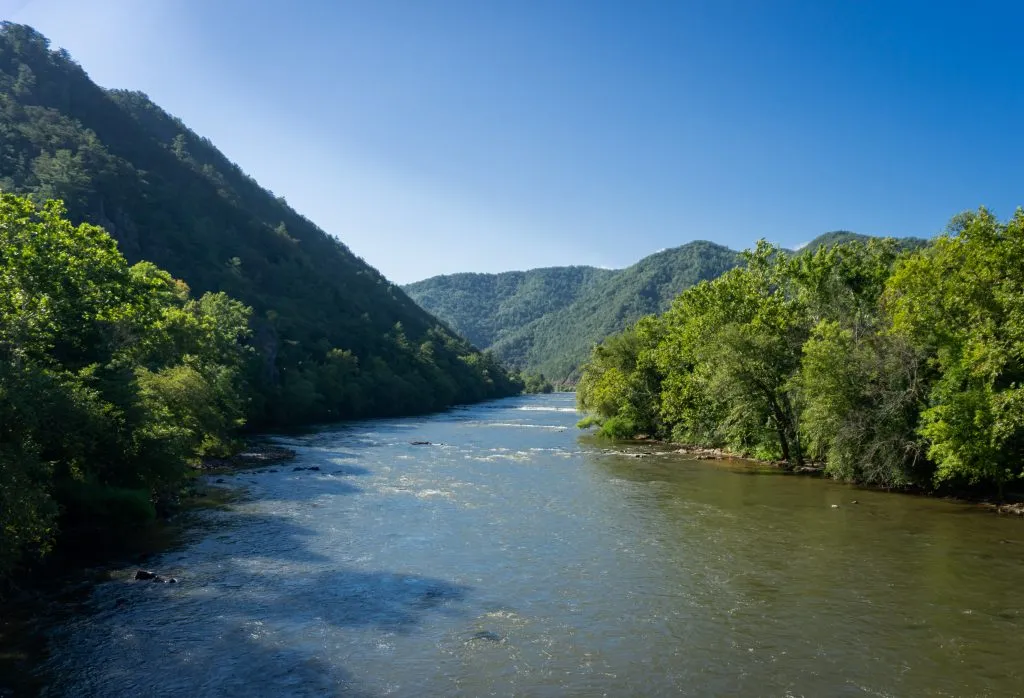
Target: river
{"type": "Point", "coordinates": [515, 556]}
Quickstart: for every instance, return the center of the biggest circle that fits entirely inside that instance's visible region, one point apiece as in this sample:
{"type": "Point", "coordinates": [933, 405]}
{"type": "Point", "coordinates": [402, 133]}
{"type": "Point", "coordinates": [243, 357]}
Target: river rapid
{"type": "Point", "coordinates": [515, 556]}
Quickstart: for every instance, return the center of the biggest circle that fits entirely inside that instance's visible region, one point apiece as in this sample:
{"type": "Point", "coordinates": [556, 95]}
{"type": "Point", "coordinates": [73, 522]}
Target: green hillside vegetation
{"type": "Point", "coordinates": [895, 367]}
{"type": "Point", "coordinates": [485, 308]}
{"type": "Point", "coordinates": [545, 321]}
{"type": "Point", "coordinates": [557, 343]}
{"type": "Point", "coordinates": [332, 337]}
{"type": "Point", "coordinates": [837, 237]}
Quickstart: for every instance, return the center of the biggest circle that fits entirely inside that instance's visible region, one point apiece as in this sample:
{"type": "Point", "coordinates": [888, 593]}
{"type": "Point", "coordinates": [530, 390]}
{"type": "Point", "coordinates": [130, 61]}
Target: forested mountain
{"type": "Point", "coordinates": [486, 308]}
{"type": "Point", "coordinates": [333, 337]}
{"type": "Point", "coordinates": [837, 237]}
{"type": "Point", "coordinates": [557, 343]}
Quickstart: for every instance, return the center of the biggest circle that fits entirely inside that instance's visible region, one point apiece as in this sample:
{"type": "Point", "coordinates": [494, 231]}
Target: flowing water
{"type": "Point", "coordinates": [514, 556]}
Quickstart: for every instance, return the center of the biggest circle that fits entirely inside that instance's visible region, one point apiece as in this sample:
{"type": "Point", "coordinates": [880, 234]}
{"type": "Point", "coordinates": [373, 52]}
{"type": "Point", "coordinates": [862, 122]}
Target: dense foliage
{"type": "Point", "coordinates": [112, 377]}
{"type": "Point", "coordinates": [535, 383]}
{"type": "Point", "coordinates": [897, 365]}
{"type": "Point", "coordinates": [332, 337]}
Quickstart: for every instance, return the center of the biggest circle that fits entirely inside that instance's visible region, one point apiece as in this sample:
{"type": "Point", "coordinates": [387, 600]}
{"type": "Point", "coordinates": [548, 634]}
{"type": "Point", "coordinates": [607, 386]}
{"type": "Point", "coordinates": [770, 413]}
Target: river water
{"type": "Point", "coordinates": [515, 556]}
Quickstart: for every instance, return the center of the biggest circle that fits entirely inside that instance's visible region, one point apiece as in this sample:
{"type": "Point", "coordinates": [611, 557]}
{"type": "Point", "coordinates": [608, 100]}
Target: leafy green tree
{"type": "Point", "coordinates": [743, 333]}
{"type": "Point", "coordinates": [962, 301]}
{"type": "Point", "coordinates": [112, 377]}
{"type": "Point", "coordinates": [860, 387]}
{"type": "Point", "coordinates": [621, 383]}
{"type": "Point", "coordinates": [536, 383]}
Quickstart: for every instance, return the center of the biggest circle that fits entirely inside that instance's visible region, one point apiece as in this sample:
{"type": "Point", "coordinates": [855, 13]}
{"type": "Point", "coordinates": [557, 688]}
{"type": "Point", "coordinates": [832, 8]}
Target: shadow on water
{"type": "Point", "coordinates": [257, 611]}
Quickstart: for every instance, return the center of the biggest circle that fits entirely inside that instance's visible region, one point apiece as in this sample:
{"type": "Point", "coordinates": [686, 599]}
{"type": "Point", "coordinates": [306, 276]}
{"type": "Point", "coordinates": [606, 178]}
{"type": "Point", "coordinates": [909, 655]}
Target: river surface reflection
{"type": "Point", "coordinates": [514, 556]}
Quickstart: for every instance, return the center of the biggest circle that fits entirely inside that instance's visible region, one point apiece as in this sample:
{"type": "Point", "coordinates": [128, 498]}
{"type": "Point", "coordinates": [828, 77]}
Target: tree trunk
{"type": "Point", "coordinates": [783, 441]}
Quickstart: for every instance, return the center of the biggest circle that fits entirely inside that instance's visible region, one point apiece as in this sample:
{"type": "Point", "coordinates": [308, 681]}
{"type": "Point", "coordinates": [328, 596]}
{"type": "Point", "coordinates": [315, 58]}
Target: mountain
{"type": "Point", "coordinates": [487, 308]}
{"type": "Point", "coordinates": [838, 237]}
{"type": "Point", "coordinates": [551, 326]}
{"type": "Point", "coordinates": [331, 336]}
{"type": "Point", "coordinates": [547, 320]}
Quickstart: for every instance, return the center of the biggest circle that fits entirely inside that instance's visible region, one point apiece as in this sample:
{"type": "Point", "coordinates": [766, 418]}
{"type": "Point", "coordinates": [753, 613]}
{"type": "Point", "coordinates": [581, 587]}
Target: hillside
{"type": "Point", "coordinates": [332, 337]}
{"type": "Point", "coordinates": [590, 305]}
{"type": "Point", "coordinates": [486, 308]}
{"type": "Point", "coordinates": [837, 237]}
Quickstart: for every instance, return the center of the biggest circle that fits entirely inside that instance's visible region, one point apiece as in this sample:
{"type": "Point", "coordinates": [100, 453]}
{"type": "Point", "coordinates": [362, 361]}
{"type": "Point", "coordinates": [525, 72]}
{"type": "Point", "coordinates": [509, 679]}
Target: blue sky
{"type": "Point", "coordinates": [435, 137]}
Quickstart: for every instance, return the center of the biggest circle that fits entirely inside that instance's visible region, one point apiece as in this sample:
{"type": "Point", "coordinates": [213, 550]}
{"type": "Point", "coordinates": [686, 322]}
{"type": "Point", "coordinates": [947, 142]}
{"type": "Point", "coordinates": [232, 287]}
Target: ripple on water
{"type": "Point", "coordinates": [411, 571]}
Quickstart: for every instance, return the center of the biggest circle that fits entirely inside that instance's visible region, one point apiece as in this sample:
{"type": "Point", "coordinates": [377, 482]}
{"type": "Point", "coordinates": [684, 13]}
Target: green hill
{"type": "Point", "coordinates": [333, 337]}
{"type": "Point", "coordinates": [837, 237]}
{"type": "Point", "coordinates": [486, 308]}
{"type": "Point", "coordinates": [584, 306]}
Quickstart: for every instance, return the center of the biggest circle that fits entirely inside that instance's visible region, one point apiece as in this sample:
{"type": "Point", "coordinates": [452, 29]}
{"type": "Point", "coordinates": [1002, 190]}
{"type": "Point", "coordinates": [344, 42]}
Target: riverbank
{"type": "Point", "coordinates": [1013, 507]}
{"type": "Point", "coordinates": [255, 454]}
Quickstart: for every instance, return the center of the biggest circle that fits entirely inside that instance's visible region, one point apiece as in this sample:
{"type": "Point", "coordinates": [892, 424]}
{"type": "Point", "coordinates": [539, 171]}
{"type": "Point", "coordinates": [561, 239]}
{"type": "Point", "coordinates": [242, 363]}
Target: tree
{"type": "Point", "coordinates": [112, 378]}
{"type": "Point", "coordinates": [860, 387]}
{"type": "Point", "coordinates": [962, 302]}
{"type": "Point", "coordinates": [740, 337]}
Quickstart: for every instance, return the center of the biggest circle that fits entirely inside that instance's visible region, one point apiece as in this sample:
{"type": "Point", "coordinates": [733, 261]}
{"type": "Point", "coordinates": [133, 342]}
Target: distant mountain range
{"type": "Point", "coordinates": [547, 320]}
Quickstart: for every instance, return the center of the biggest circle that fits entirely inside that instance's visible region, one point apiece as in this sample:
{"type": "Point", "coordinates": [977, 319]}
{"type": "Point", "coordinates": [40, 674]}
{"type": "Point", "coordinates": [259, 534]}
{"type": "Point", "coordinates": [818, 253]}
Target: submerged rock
{"type": "Point", "coordinates": [147, 576]}
{"type": "Point", "coordinates": [487, 636]}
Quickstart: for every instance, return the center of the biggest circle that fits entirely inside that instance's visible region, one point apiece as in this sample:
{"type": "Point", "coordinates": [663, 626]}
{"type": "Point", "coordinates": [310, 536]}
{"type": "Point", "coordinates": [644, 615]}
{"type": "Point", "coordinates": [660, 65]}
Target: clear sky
{"type": "Point", "coordinates": [435, 137]}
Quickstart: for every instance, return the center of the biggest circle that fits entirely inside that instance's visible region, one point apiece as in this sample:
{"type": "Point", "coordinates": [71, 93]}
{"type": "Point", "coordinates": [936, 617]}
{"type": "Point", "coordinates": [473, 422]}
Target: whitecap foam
{"type": "Point", "coordinates": [529, 408]}
{"type": "Point", "coordinates": [556, 427]}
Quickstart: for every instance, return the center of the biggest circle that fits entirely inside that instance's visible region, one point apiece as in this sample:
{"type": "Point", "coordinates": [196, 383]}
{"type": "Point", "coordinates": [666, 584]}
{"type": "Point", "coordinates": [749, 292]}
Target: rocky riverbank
{"type": "Point", "coordinates": [255, 454]}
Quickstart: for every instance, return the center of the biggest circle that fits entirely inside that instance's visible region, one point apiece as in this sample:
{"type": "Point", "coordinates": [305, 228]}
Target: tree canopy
{"type": "Point", "coordinates": [894, 364]}
{"type": "Point", "coordinates": [112, 378]}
